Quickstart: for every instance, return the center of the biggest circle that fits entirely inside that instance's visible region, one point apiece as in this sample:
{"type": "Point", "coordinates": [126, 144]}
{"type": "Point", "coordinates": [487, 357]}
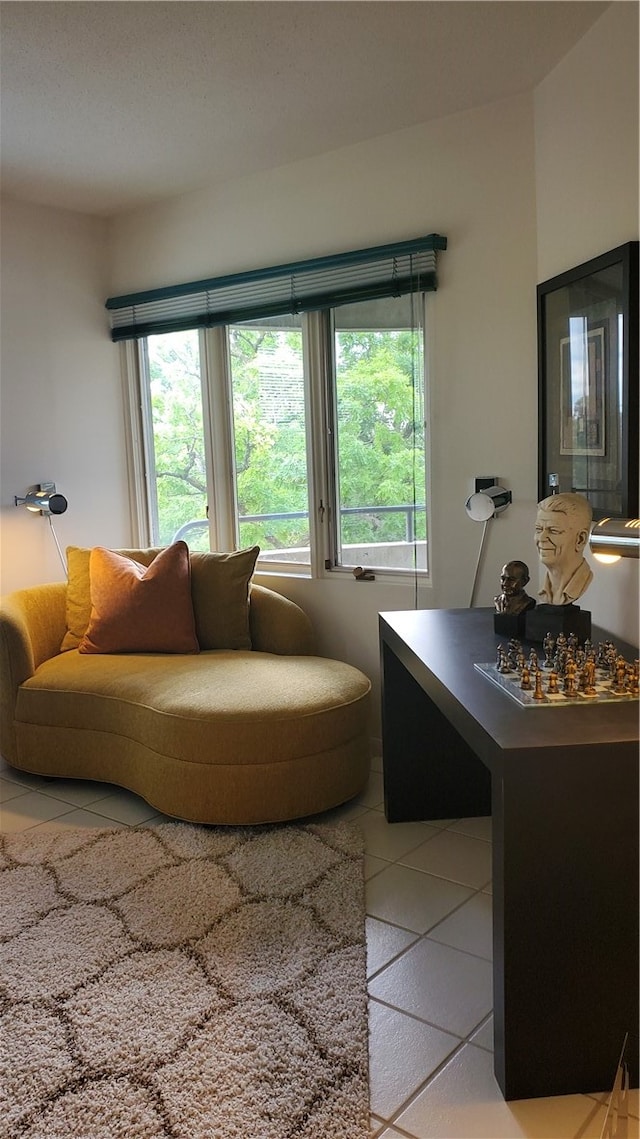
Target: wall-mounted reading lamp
{"type": "Point", "coordinates": [615, 538]}
{"type": "Point", "coordinates": [482, 506]}
{"type": "Point", "coordinates": [43, 499]}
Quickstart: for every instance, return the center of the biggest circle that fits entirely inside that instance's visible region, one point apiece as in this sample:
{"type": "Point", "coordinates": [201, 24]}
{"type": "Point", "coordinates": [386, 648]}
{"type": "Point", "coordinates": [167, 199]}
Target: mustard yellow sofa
{"type": "Point", "coordinates": [233, 736]}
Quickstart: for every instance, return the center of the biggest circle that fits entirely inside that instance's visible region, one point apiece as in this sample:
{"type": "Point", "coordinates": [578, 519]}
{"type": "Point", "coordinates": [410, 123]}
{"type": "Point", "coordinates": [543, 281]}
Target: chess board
{"type": "Point", "coordinates": [509, 682]}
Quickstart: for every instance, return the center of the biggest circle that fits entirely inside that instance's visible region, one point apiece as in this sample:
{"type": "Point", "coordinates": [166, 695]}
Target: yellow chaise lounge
{"type": "Point", "coordinates": [226, 736]}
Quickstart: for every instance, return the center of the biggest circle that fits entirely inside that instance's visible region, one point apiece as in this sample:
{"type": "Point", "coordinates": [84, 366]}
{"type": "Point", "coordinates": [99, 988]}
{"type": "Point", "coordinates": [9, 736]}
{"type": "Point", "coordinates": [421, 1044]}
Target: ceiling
{"type": "Point", "coordinates": [108, 106]}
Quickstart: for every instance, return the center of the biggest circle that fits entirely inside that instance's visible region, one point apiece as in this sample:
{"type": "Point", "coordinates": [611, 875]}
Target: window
{"type": "Point", "coordinates": [299, 431]}
{"type": "Point", "coordinates": [174, 453]}
{"type": "Point", "coordinates": [379, 458]}
{"type": "Point", "coordinates": [269, 437]}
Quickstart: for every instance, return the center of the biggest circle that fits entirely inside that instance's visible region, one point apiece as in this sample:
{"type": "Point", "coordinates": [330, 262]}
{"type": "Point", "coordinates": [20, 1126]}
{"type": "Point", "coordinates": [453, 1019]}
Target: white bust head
{"type": "Point", "coordinates": [563, 525]}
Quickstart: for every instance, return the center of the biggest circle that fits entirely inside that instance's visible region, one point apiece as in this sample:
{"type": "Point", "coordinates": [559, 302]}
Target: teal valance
{"type": "Point", "coordinates": [324, 282]}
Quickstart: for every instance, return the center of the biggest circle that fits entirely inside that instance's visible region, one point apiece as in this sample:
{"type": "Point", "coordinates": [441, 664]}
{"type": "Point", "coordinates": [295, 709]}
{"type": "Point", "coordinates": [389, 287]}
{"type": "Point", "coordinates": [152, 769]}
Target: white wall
{"type": "Point", "coordinates": [470, 177]}
{"type": "Point", "coordinates": [62, 417]}
{"type": "Point", "coordinates": [586, 132]}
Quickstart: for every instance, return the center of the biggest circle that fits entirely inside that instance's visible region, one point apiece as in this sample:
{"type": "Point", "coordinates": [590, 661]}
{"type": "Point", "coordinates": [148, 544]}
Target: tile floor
{"type": "Point", "coordinates": [428, 914]}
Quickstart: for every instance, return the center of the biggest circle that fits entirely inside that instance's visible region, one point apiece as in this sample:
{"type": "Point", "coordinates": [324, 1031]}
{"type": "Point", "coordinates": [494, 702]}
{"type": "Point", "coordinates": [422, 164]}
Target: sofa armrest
{"type": "Point", "coordinates": [278, 625]}
{"type": "Point", "coordinates": [32, 625]}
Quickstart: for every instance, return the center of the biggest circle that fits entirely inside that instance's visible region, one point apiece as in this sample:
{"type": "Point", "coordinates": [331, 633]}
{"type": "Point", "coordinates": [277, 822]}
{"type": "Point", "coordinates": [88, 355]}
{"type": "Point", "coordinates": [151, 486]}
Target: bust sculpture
{"type": "Point", "coordinates": [512, 597]}
{"type": "Point", "coordinates": [563, 525]}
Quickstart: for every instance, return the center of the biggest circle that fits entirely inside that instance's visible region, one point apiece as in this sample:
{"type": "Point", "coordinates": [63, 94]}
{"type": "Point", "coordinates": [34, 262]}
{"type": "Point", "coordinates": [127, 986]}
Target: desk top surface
{"type": "Point", "coordinates": [439, 647]}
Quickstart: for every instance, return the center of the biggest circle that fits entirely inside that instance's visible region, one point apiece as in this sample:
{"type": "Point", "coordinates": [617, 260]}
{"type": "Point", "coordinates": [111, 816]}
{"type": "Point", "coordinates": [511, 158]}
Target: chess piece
{"type": "Point", "coordinates": [552, 686]}
{"type": "Point", "coordinates": [539, 694]}
{"type": "Point", "coordinates": [548, 644]}
{"type": "Point", "coordinates": [525, 683]}
{"type": "Point", "coordinates": [589, 675]}
{"type": "Point", "coordinates": [619, 684]}
{"type": "Point", "coordinates": [570, 688]}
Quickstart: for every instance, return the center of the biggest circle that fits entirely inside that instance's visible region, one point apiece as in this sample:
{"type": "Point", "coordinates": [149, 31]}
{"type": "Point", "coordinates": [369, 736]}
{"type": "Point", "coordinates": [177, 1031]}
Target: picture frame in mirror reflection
{"type": "Point", "coordinates": [588, 382]}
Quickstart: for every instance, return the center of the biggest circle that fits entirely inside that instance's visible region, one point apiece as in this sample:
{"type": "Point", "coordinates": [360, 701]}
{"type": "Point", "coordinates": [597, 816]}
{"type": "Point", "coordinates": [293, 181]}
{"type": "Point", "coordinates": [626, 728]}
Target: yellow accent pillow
{"type": "Point", "coordinates": [220, 586]}
{"type": "Point", "coordinates": [140, 609]}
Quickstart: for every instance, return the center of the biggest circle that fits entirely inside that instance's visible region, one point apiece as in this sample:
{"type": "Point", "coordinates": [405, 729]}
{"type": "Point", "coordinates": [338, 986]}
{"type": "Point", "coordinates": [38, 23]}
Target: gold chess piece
{"type": "Point", "coordinates": [619, 684]}
{"type": "Point", "coordinates": [589, 675]}
{"type": "Point", "coordinates": [539, 694]}
{"type": "Point", "coordinates": [570, 688]}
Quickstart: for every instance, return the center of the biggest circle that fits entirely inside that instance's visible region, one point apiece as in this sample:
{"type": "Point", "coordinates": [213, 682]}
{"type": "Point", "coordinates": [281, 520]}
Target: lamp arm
{"type": "Point", "coordinates": [60, 554]}
{"type": "Point", "coordinates": [480, 552]}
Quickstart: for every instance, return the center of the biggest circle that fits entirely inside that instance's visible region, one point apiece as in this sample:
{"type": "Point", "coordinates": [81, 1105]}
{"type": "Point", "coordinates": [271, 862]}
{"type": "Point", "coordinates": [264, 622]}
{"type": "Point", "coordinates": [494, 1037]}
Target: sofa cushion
{"type": "Point", "coordinates": [140, 609]}
{"type": "Point", "coordinates": [220, 707]}
{"type": "Point", "coordinates": [220, 584]}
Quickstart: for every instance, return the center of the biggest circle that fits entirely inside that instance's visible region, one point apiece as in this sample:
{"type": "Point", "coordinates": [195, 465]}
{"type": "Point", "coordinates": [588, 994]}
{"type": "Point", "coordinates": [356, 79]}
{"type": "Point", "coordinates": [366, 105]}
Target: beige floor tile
{"type": "Point", "coordinates": [156, 820]}
{"type": "Point", "coordinates": [447, 988]}
{"type": "Point", "coordinates": [351, 810]}
{"type": "Point", "coordinates": [376, 1127]}
{"type": "Point", "coordinates": [79, 820]}
{"type": "Point", "coordinates": [470, 928]}
{"type": "Point", "coordinates": [78, 792]}
{"type": "Point", "coordinates": [10, 790]}
{"type": "Point", "coordinates": [373, 794]}
{"type": "Point", "coordinates": [391, 840]}
{"type": "Point", "coordinates": [411, 899]}
{"type": "Point", "coordinates": [483, 1038]}
{"type": "Point", "coordinates": [23, 778]}
{"type": "Point", "coordinates": [384, 942]}
{"type": "Point", "coordinates": [475, 828]}
{"type": "Point", "coordinates": [125, 807]}
{"type": "Point", "coordinates": [27, 810]}
{"type": "Point", "coordinates": [403, 1052]}
{"type": "Point", "coordinates": [633, 1107]}
{"type": "Point", "coordinates": [455, 856]}
{"type": "Point", "coordinates": [373, 866]}
{"type": "Point", "coordinates": [464, 1100]}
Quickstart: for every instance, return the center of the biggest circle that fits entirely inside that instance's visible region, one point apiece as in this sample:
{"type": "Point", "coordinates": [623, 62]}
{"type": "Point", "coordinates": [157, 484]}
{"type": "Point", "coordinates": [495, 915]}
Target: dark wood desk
{"type": "Point", "coordinates": [561, 785]}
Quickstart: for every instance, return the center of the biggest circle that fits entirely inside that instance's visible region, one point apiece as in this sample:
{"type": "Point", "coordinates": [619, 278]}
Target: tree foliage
{"type": "Point", "coordinates": [380, 438]}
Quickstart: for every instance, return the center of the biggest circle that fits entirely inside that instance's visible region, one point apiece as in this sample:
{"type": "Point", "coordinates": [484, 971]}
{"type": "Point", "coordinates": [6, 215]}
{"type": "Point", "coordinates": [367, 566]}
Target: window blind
{"type": "Point", "coordinates": [325, 282]}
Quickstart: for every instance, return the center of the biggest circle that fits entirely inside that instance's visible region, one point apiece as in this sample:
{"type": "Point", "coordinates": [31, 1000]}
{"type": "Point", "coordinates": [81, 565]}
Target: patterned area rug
{"type": "Point", "coordinates": [184, 982]}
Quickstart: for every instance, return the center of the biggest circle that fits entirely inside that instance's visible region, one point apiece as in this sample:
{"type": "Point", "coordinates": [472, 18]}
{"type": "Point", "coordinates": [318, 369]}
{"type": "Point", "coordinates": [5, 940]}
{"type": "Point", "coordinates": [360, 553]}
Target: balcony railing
{"type": "Point", "coordinates": [408, 509]}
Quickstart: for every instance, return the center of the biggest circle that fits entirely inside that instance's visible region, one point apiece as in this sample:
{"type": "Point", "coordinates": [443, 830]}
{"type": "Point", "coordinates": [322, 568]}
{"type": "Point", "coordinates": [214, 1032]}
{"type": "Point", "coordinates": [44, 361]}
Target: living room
{"type": "Point", "coordinates": [524, 187]}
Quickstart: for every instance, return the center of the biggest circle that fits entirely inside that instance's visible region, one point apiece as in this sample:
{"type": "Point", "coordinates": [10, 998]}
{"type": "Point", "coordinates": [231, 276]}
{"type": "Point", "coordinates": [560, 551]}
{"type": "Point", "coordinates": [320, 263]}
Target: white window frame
{"type": "Point", "coordinates": [217, 407]}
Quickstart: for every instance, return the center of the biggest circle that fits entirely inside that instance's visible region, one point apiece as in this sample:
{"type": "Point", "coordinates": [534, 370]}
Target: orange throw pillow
{"type": "Point", "coordinates": [141, 609]}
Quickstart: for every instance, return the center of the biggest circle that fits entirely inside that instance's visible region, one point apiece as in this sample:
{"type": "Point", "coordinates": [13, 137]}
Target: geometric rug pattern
{"type": "Point", "coordinates": [184, 982]}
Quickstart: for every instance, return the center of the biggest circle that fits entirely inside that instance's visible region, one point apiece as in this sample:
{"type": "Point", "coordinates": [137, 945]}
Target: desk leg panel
{"type": "Point", "coordinates": [565, 921]}
{"type": "Point", "coordinates": [430, 772]}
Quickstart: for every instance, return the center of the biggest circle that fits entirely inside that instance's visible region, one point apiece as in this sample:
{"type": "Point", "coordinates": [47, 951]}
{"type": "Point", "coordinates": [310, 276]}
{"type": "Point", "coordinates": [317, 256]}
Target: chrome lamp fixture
{"type": "Point", "coordinates": [489, 500]}
{"type": "Point", "coordinates": [615, 538]}
{"type": "Point", "coordinates": [43, 499]}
